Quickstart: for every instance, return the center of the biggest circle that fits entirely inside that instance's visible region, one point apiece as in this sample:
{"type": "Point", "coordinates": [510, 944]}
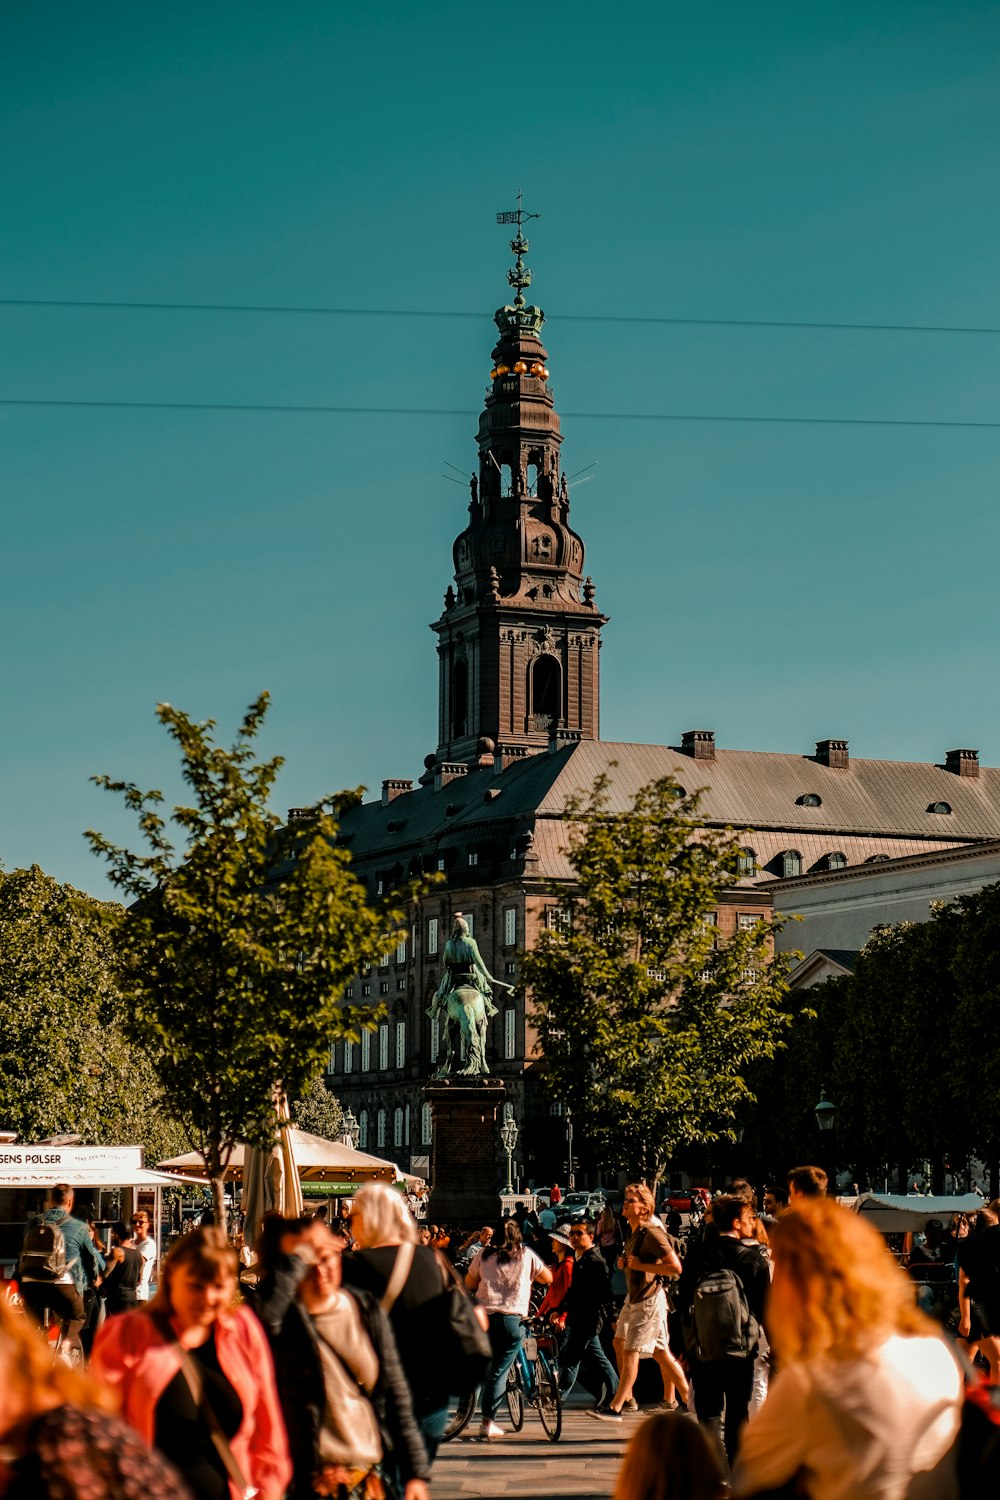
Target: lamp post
{"type": "Point", "coordinates": [826, 1113]}
{"type": "Point", "coordinates": [350, 1131]}
{"type": "Point", "coordinates": [508, 1140]}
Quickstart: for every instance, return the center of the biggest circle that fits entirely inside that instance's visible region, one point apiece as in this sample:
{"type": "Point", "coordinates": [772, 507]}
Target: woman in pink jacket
{"type": "Point", "coordinates": [195, 1376]}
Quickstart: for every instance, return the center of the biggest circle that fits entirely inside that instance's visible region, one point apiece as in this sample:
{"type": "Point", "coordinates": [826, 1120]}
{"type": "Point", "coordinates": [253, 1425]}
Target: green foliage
{"type": "Point", "coordinates": [318, 1111]}
{"type": "Point", "coordinates": [239, 945]}
{"type": "Point", "coordinates": [648, 1026]}
{"type": "Point", "coordinates": [66, 1064]}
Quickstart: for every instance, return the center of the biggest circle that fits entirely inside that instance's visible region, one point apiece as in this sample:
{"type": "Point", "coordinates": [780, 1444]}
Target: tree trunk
{"type": "Point", "coordinates": [219, 1202]}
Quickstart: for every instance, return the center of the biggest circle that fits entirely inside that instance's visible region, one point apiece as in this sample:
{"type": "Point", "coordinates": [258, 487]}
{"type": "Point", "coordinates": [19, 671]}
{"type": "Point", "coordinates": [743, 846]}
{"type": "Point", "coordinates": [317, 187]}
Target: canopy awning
{"type": "Point", "coordinates": [318, 1160]}
{"type": "Point", "coordinates": [898, 1212]}
{"type": "Point", "coordinates": [80, 1166]}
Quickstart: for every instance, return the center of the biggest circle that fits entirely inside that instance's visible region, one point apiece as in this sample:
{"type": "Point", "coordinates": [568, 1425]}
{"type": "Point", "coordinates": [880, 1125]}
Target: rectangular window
{"type": "Point", "coordinates": [331, 1066]}
{"type": "Point", "coordinates": [432, 935]}
{"type": "Point", "coordinates": [349, 992]}
{"type": "Point", "coordinates": [435, 1038]}
{"type": "Point", "coordinates": [510, 927]}
{"type": "Point", "coordinates": [383, 988]}
{"type": "Point", "coordinates": [400, 1044]}
{"type": "Point", "coordinates": [473, 857]}
{"type": "Point", "coordinates": [380, 888]}
{"type": "Point", "coordinates": [746, 921]}
{"type": "Point", "coordinates": [510, 968]}
{"type": "Point", "coordinates": [426, 1125]}
{"type": "Point", "coordinates": [509, 1033]}
{"type": "Point", "coordinates": [366, 1051]}
{"type": "Point", "coordinates": [472, 923]}
{"type": "Point", "coordinates": [380, 1127]}
{"type": "Point", "coordinates": [441, 864]}
{"type": "Point", "coordinates": [401, 951]}
{"type": "Point", "coordinates": [348, 1057]}
{"type": "Point", "coordinates": [383, 1047]}
{"type": "Point", "coordinates": [397, 1127]}
{"type": "Point", "coordinates": [557, 918]}
{"type": "Point", "coordinates": [366, 990]}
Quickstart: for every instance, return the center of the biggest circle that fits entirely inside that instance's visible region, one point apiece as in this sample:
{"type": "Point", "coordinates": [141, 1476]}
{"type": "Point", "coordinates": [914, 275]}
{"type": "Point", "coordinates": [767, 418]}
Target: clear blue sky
{"type": "Point", "coordinates": [770, 161]}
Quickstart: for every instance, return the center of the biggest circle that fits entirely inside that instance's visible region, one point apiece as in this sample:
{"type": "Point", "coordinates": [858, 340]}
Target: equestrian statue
{"type": "Point", "coordinates": [465, 996]}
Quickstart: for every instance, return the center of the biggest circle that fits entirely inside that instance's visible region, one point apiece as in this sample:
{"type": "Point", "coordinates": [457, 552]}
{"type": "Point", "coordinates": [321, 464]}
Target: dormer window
{"type": "Point", "coordinates": [791, 864]}
{"type": "Point", "coordinates": [877, 859]}
{"type": "Point", "coordinates": [810, 799]}
{"type": "Point", "coordinates": [747, 863]}
{"type": "Point", "coordinates": [836, 861]}
{"type": "Point", "coordinates": [940, 807]}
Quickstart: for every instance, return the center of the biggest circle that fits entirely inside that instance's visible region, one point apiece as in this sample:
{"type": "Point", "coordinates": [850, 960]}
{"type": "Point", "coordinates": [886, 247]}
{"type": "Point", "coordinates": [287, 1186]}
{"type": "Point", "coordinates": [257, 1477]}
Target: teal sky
{"type": "Point", "coordinates": [778, 584]}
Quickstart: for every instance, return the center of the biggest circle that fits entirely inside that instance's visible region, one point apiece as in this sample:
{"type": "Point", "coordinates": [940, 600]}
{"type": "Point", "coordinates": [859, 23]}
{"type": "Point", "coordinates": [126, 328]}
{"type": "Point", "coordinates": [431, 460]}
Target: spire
{"type": "Point", "coordinates": [519, 636]}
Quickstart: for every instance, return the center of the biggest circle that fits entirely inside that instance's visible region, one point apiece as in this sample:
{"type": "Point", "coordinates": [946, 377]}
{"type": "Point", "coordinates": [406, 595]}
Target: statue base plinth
{"type": "Point", "coordinates": [465, 1163]}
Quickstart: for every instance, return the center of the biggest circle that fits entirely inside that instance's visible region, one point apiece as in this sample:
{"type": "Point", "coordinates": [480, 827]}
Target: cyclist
{"type": "Point", "coordinates": [501, 1276]}
{"type": "Point", "coordinates": [62, 1295]}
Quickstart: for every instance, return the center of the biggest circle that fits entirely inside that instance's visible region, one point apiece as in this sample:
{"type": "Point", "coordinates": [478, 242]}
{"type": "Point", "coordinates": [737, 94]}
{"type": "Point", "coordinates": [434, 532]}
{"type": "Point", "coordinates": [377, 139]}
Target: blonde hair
{"type": "Point", "coordinates": [644, 1195]}
{"type": "Point", "coordinates": [206, 1254]}
{"type": "Point", "coordinates": [33, 1382]}
{"type": "Point", "coordinates": [837, 1289]}
{"type": "Point", "coordinates": [670, 1458]}
{"type": "Point", "coordinates": [386, 1218]}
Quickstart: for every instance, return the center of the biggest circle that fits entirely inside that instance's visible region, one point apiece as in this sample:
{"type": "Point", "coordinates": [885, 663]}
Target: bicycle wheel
{"type": "Point", "coordinates": [460, 1414]}
{"type": "Point", "coordinates": [549, 1399]}
{"type": "Point", "coordinates": [515, 1396]}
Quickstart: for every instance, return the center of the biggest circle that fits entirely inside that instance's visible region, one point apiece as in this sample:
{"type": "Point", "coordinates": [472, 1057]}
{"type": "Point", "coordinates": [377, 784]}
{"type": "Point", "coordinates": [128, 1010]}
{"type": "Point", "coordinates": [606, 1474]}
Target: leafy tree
{"type": "Point", "coordinates": [66, 1064]}
{"type": "Point", "coordinates": [239, 945]}
{"type": "Point", "coordinates": [319, 1111]}
{"type": "Point", "coordinates": [646, 1023]}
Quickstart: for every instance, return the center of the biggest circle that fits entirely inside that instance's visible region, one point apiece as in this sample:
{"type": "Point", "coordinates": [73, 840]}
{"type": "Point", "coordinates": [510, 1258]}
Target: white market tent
{"type": "Point", "coordinates": [317, 1161]}
{"type": "Point", "coordinates": [895, 1213]}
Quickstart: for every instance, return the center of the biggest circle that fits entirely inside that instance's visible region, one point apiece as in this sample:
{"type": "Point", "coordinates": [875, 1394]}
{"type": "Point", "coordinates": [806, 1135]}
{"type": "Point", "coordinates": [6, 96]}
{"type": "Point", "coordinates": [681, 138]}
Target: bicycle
{"type": "Point", "coordinates": [461, 1411]}
{"type": "Point", "coordinates": [532, 1378]}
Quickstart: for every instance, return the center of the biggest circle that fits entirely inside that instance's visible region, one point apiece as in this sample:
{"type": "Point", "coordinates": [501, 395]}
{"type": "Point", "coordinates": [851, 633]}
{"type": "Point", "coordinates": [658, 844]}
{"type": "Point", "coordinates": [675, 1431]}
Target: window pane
{"type": "Point", "coordinates": [383, 1047]}
{"type": "Point", "coordinates": [400, 1044]}
{"type": "Point", "coordinates": [509, 1034]}
{"type": "Point", "coordinates": [432, 935]}
{"type": "Point", "coordinates": [510, 926]}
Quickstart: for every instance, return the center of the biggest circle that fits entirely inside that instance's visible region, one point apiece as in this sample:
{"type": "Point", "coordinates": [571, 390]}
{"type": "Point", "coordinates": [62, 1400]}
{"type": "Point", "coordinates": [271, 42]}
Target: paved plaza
{"type": "Point", "coordinates": [584, 1462]}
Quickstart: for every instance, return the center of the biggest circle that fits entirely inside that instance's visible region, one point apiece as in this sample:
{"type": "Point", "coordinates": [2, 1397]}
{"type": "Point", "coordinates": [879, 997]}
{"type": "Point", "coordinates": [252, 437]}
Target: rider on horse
{"type": "Point", "coordinates": [464, 970]}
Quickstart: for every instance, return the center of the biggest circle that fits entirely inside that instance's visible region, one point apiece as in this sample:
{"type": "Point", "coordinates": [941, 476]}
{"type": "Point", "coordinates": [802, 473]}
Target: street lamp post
{"type": "Point", "coordinates": [350, 1131]}
{"type": "Point", "coordinates": [826, 1113]}
{"type": "Point", "coordinates": [508, 1140]}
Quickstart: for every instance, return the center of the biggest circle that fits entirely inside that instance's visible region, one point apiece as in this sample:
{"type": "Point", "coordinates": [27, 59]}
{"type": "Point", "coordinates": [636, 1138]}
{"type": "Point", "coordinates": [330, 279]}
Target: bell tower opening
{"type": "Point", "coordinates": [459, 699]}
{"type": "Point", "coordinates": [546, 693]}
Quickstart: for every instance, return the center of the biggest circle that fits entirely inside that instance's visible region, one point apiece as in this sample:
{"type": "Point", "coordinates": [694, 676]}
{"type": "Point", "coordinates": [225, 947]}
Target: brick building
{"type": "Point", "coordinates": [518, 644]}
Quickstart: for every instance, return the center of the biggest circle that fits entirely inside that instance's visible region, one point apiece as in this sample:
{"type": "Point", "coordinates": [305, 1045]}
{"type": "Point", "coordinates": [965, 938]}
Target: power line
{"type": "Point", "coordinates": [441, 411]}
{"type": "Point", "coordinates": [451, 312]}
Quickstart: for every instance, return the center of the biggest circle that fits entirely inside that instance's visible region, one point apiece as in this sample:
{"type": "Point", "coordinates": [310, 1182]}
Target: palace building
{"type": "Point", "coordinates": [518, 645]}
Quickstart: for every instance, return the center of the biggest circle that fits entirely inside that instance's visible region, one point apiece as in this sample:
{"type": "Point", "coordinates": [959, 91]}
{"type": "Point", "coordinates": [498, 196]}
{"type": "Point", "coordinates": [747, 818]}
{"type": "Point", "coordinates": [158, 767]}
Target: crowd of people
{"type": "Point", "coordinates": [793, 1354]}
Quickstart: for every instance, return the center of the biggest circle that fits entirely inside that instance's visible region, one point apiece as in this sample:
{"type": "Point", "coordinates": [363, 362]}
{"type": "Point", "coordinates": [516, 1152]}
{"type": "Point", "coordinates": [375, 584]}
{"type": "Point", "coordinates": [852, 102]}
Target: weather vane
{"type": "Point", "coordinates": [520, 276]}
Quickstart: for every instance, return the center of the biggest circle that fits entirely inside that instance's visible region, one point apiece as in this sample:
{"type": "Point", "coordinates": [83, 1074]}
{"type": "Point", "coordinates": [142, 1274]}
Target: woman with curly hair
{"type": "Point", "coordinates": [867, 1399]}
{"type": "Point", "coordinates": [196, 1377]}
{"type": "Point", "coordinates": [58, 1437]}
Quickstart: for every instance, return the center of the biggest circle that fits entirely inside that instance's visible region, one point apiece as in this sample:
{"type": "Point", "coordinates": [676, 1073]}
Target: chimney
{"type": "Point", "coordinates": [448, 771]}
{"type": "Point", "coordinates": [393, 789]}
{"type": "Point", "coordinates": [962, 762]}
{"type": "Point", "coordinates": [833, 753]}
{"type": "Point", "coordinates": [699, 743]}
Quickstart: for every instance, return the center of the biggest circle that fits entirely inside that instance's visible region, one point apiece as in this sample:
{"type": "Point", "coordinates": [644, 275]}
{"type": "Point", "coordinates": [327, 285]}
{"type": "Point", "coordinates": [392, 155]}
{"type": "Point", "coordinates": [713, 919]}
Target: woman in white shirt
{"type": "Point", "coordinates": [867, 1399]}
{"type": "Point", "coordinates": [501, 1276]}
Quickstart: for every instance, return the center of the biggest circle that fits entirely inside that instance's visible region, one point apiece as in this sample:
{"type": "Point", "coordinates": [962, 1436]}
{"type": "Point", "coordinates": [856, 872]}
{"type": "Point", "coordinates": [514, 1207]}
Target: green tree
{"type": "Point", "coordinates": [646, 1023]}
{"type": "Point", "coordinates": [66, 1064]}
{"type": "Point", "coordinates": [318, 1111]}
{"type": "Point", "coordinates": [239, 945]}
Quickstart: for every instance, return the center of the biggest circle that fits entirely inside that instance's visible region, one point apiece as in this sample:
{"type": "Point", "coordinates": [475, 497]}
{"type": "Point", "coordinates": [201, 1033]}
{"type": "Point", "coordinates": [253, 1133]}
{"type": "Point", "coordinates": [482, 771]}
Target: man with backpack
{"type": "Point", "coordinates": [723, 1287]}
{"type": "Point", "coordinates": [57, 1260]}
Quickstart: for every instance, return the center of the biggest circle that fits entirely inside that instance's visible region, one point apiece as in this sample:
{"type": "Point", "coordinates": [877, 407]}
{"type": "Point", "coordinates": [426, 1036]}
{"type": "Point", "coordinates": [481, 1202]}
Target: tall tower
{"type": "Point", "coordinates": [519, 636]}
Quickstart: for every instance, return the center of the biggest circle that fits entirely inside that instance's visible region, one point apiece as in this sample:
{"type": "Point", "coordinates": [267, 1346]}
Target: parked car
{"type": "Point", "coordinates": [581, 1205]}
{"type": "Point", "coordinates": [687, 1200]}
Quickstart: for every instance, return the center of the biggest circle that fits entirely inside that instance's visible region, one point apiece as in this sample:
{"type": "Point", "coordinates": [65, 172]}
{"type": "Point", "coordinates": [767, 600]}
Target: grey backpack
{"type": "Point", "coordinates": [722, 1325]}
{"type": "Point", "coordinates": [43, 1252]}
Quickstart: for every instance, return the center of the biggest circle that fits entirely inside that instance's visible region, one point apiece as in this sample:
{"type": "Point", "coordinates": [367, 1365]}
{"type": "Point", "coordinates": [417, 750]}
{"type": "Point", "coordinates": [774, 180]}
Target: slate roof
{"type": "Point", "coordinates": [872, 800]}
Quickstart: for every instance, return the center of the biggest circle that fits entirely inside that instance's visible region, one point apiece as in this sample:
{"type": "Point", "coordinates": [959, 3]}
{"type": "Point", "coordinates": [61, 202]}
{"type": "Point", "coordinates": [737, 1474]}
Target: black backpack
{"type": "Point", "coordinates": [722, 1325]}
{"type": "Point", "coordinates": [43, 1252]}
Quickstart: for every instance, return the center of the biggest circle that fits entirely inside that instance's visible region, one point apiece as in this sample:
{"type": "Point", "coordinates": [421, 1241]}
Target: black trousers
{"type": "Point", "coordinates": [722, 1392]}
{"type": "Point", "coordinates": [62, 1299]}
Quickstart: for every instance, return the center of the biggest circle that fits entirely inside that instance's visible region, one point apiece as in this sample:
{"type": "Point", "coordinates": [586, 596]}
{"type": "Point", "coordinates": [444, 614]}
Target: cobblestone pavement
{"type": "Point", "coordinates": [583, 1463]}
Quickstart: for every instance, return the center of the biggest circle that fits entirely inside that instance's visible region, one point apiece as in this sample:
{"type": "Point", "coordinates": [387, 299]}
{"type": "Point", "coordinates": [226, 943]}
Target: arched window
{"type": "Point", "coordinates": [406, 1126]}
{"type": "Point", "coordinates": [877, 859]}
{"type": "Point", "coordinates": [397, 1126]}
{"type": "Point", "coordinates": [546, 692]}
{"type": "Point", "coordinates": [459, 698]}
{"type": "Point", "coordinates": [380, 1137]}
{"type": "Point", "coordinates": [426, 1125]}
{"type": "Point", "coordinates": [836, 861]}
{"type": "Point", "coordinates": [747, 864]}
{"type": "Point", "coordinates": [363, 1125]}
{"type": "Point", "coordinates": [940, 807]}
{"type": "Point", "coordinates": [810, 799]}
{"type": "Point", "coordinates": [791, 864]}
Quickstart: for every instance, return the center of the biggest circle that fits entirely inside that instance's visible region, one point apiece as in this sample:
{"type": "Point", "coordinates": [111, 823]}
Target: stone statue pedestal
{"type": "Point", "coordinates": [465, 1162]}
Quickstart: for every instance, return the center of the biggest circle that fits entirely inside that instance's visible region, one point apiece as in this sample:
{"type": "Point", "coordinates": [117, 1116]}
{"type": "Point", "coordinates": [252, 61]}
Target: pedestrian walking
{"type": "Point", "coordinates": [608, 1236]}
{"type": "Point", "coordinates": [722, 1293]}
{"type": "Point", "coordinates": [345, 1398]}
{"type": "Point", "coordinates": [641, 1330]}
{"type": "Point", "coordinates": [669, 1458]}
{"type": "Point", "coordinates": [58, 1262]}
{"type": "Point", "coordinates": [867, 1397]}
{"type": "Point", "coordinates": [143, 1241]}
{"type": "Point", "coordinates": [978, 1257]}
{"type": "Point", "coordinates": [59, 1436]}
{"type": "Point", "coordinates": [123, 1272]}
{"type": "Point", "coordinates": [196, 1378]}
{"type": "Point", "coordinates": [587, 1308]}
{"type": "Point", "coordinates": [501, 1276]}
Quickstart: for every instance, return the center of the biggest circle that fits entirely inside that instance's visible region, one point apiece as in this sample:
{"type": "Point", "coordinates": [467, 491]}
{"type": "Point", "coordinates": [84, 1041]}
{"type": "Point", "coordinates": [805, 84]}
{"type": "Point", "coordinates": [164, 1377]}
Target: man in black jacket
{"type": "Point", "coordinates": [723, 1387]}
{"type": "Point", "coordinates": [298, 1298]}
{"type": "Point", "coordinates": [583, 1312]}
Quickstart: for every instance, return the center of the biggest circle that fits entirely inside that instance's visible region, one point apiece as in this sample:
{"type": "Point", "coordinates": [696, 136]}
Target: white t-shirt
{"type": "Point", "coordinates": [147, 1249]}
{"type": "Point", "coordinates": [506, 1288]}
{"type": "Point", "coordinates": [860, 1429]}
